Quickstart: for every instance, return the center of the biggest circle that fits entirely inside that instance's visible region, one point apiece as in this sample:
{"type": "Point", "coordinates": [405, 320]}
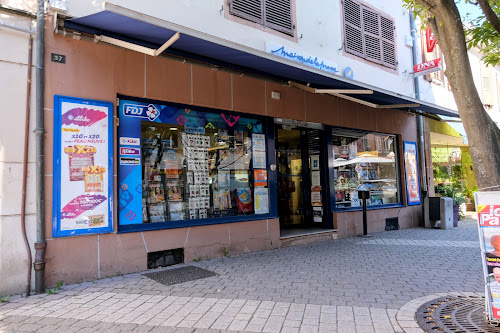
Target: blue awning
{"type": "Point", "coordinates": [134, 27]}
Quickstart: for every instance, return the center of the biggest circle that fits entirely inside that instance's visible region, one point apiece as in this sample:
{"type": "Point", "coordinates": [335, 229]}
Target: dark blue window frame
{"type": "Point", "coordinates": [268, 124]}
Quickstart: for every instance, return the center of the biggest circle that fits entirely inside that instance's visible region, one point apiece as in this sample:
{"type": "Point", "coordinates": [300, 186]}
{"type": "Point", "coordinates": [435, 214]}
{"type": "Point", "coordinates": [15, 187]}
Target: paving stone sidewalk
{"type": "Point", "coordinates": [348, 285]}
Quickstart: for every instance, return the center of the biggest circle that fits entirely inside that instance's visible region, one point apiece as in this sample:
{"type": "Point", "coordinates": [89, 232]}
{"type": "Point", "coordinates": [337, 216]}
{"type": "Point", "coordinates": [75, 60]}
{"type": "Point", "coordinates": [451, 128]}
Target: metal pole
{"type": "Point", "coordinates": [25, 163]}
{"type": "Point", "coordinates": [365, 223]}
{"type": "Point", "coordinates": [420, 124]}
{"type": "Point", "coordinates": [41, 243]}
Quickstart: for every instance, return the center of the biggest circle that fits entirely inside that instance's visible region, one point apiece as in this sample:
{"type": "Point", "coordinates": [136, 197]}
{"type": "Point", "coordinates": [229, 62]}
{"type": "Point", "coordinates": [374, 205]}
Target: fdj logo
{"type": "Point", "coordinates": [489, 216]}
{"type": "Point", "coordinates": [150, 111]}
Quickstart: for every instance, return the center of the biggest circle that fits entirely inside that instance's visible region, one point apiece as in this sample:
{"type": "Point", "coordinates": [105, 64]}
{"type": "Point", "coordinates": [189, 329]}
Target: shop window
{"type": "Point", "coordinates": [274, 14]}
{"type": "Point", "coordinates": [369, 34]}
{"type": "Point", "coordinates": [364, 161]}
{"type": "Point", "coordinates": [193, 165]}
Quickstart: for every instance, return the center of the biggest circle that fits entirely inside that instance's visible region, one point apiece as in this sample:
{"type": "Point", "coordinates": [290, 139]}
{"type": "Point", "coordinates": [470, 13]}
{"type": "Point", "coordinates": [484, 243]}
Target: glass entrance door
{"type": "Point", "coordinates": [301, 178]}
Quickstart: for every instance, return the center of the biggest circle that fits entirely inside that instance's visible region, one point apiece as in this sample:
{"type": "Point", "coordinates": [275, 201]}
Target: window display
{"type": "Point", "coordinates": [364, 161]}
{"type": "Point", "coordinates": [192, 165]}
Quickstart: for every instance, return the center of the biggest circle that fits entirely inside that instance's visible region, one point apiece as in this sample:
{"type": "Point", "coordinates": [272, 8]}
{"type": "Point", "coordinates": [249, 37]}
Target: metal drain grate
{"type": "Point", "coordinates": [179, 275]}
{"type": "Point", "coordinates": [458, 314]}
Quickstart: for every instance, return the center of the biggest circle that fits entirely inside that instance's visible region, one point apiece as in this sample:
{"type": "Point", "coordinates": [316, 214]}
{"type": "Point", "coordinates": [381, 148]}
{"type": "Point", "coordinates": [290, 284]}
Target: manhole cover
{"type": "Point", "coordinates": [456, 314]}
{"type": "Point", "coordinates": [179, 275]}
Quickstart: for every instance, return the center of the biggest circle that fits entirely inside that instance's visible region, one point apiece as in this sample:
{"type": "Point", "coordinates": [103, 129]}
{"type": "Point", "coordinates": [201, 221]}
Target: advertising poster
{"type": "Point", "coordinates": [259, 151]}
{"type": "Point", "coordinates": [261, 202]}
{"type": "Point", "coordinates": [260, 177]}
{"type": "Point", "coordinates": [488, 209]}
{"type": "Point", "coordinates": [83, 150]}
{"type": "Point", "coordinates": [411, 172]}
{"type": "Point", "coordinates": [259, 160]}
{"type": "Point", "coordinates": [314, 162]}
{"type": "Point", "coordinates": [259, 142]}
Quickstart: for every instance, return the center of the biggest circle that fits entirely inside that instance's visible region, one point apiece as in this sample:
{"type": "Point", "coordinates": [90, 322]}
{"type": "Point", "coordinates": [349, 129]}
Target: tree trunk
{"type": "Point", "coordinates": [482, 132]}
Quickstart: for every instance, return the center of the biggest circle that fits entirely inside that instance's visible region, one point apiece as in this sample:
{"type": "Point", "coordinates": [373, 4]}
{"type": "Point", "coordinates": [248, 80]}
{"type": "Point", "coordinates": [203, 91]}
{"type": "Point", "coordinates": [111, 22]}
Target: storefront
{"type": "Point", "coordinates": [182, 165]}
{"type": "Point", "coordinates": [206, 161]}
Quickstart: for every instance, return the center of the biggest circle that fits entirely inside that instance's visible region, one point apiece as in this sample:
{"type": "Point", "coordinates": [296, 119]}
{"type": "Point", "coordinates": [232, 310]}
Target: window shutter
{"type": "Point", "coordinates": [486, 85]}
{"type": "Point", "coordinates": [436, 53]}
{"type": "Point", "coordinates": [371, 32]}
{"type": "Point", "coordinates": [353, 28]}
{"type": "Point", "coordinates": [252, 10]}
{"type": "Point", "coordinates": [498, 86]}
{"type": "Point", "coordinates": [278, 15]}
{"type": "Point", "coordinates": [388, 42]}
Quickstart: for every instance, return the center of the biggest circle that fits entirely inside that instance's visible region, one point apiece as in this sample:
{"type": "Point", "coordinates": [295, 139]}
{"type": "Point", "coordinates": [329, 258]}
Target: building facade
{"type": "Point", "coordinates": [180, 131]}
{"type": "Point", "coordinates": [17, 164]}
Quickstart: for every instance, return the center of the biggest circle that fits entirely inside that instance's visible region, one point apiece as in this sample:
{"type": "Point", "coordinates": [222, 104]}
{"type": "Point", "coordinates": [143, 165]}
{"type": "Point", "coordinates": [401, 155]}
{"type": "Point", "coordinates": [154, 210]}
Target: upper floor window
{"type": "Point", "coordinates": [274, 14]}
{"type": "Point", "coordinates": [369, 34]}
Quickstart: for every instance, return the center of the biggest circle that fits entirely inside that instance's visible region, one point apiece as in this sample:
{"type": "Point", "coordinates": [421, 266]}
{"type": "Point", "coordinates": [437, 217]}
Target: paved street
{"type": "Point", "coordinates": [348, 285]}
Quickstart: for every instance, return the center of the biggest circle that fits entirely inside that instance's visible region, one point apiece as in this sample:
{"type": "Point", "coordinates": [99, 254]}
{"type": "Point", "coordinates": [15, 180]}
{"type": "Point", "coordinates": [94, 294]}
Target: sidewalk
{"type": "Point", "coordinates": [347, 285]}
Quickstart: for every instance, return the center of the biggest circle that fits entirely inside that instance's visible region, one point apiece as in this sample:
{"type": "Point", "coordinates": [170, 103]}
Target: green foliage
{"type": "Point", "coordinates": [4, 299]}
{"type": "Point", "coordinates": [417, 9]}
{"type": "Point", "coordinates": [200, 258]}
{"type": "Point", "coordinates": [226, 251]}
{"type": "Point", "coordinates": [55, 289]}
{"type": "Point", "coordinates": [453, 191]}
{"type": "Point", "coordinates": [482, 35]}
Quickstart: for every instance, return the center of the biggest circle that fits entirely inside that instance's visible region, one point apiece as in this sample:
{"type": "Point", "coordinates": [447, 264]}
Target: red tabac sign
{"type": "Point", "coordinates": [427, 67]}
{"type": "Point", "coordinates": [430, 40]}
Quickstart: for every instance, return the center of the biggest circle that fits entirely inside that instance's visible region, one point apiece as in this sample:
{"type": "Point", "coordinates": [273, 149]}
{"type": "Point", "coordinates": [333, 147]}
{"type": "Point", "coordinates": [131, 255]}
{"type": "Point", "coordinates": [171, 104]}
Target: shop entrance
{"type": "Point", "coordinates": [302, 180]}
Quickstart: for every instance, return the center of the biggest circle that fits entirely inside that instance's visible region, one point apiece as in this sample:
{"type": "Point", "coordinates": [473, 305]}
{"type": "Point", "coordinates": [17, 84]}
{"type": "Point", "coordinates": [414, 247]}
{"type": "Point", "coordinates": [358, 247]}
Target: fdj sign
{"type": "Point", "coordinates": [149, 112]}
{"type": "Point", "coordinates": [489, 216]}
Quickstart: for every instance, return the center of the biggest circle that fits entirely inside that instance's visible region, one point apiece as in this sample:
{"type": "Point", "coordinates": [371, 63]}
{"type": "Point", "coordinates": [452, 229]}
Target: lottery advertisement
{"type": "Point", "coordinates": [194, 125]}
{"type": "Point", "coordinates": [83, 166]}
{"type": "Point", "coordinates": [488, 209]}
{"type": "Point", "coordinates": [411, 173]}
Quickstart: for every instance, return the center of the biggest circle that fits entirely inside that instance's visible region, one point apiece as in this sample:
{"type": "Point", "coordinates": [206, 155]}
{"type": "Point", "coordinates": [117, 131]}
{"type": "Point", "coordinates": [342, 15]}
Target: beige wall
{"type": "Point", "coordinates": [13, 94]}
{"type": "Point", "coordinates": [30, 6]}
{"type": "Point", "coordinates": [101, 72]}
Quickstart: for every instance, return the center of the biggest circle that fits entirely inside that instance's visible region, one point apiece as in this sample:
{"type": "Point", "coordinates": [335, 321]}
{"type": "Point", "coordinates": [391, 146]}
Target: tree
{"type": "Point", "coordinates": [484, 136]}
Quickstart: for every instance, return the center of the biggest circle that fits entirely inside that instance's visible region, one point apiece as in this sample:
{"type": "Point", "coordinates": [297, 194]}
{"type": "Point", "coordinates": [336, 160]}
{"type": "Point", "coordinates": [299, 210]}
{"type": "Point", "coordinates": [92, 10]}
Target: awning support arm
{"type": "Point", "coordinates": [344, 91]}
{"type": "Point", "coordinates": [340, 93]}
{"type": "Point", "coordinates": [330, 91]}
{"type": "Point", "coordinates": [138, 48]}
{"type": "Point", "coordinates": [167, 44]}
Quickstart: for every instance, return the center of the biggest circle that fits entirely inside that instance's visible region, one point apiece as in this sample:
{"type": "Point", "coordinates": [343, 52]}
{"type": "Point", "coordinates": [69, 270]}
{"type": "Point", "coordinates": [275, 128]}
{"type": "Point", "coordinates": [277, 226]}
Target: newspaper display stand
{"type": "Point", "coordinates": [488, 209]}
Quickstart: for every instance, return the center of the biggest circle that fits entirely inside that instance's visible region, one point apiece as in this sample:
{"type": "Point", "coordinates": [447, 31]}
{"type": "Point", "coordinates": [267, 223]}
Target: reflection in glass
{"type": "Point", "coordinates": [364, 161]}
{"type": "Point", "coordinates": [190, 176]}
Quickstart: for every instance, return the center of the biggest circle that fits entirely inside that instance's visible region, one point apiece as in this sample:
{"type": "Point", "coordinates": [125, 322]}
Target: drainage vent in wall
{"type": "Point", "coordinates": [165, 258]}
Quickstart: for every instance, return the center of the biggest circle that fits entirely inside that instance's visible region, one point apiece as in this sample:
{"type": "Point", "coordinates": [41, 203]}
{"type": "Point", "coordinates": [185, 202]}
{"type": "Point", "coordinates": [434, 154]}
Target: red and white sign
{"type": "Point", "coordinates": [430, 39]}
{"type": "Point", "coordinates": [488, 208]}
{"type": "Point", "coordinates": [489, 215]}
{"type": "Point", "coordinates": [427, 67]}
